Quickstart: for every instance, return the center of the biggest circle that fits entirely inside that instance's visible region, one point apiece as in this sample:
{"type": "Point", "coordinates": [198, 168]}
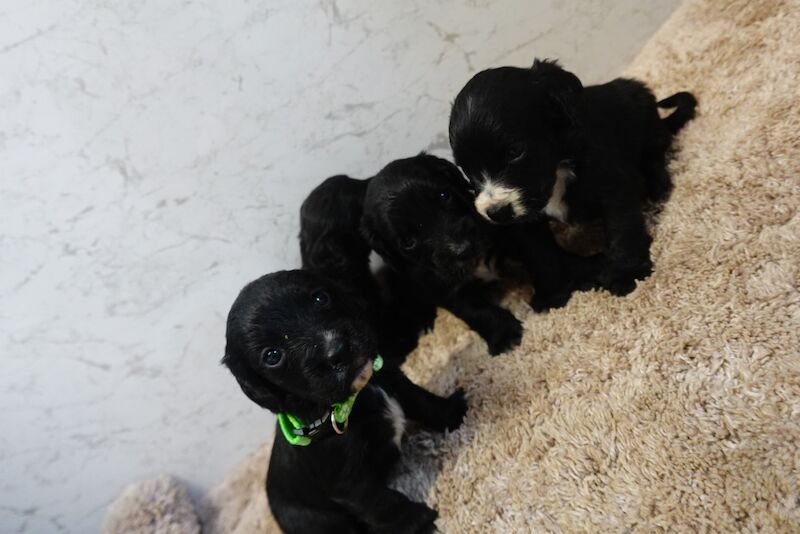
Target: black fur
{"type": "Point", "coordinates": [330, 241]}
{"type": "Point", "coordinates": [418, 216]}
{"type": "Point", "coordinates": [331, 244]}
{"type": "Point", "coordinates": [295, 343]}
{"type": "Point", "coordinates": [521, 127]}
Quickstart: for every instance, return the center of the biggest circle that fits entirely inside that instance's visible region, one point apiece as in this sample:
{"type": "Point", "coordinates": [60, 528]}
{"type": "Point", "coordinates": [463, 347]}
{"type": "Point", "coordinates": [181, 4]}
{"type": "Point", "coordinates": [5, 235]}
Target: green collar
{"type": "Point", "coordinates": [301, 434]}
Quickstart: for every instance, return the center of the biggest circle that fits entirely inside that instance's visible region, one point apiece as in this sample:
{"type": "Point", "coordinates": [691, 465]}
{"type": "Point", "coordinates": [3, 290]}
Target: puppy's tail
{"type": "Point", "coordinates": [684, 104]}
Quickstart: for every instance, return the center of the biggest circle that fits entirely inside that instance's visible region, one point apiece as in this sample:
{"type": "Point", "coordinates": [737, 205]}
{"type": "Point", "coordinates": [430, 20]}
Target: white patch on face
{"type": "Point", "coordinates": [363, 376]}
{"type": "Point", "coordinates": [328, 337]}
{"type": "Point", "coordinates": [486, 271]}
{"type": "Point", "coordinates": [394, 412]}
{"type": "Point", "coordinates": [495, 195]}
{"type": "Point", "coordinates": [556, 206]}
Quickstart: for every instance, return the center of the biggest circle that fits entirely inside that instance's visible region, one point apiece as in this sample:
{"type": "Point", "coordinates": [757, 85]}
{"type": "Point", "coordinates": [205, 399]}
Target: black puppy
{"type": "Point", "coordinates": [535, 142]}
{"type": "Point", "coordinates": [418, 216]}
{"type": "Point", "coordinates": [331, 244]}
{"type": "Point", "coordinates": [330, 241]}
{"type": "Point", "coordinates": [301, 347]}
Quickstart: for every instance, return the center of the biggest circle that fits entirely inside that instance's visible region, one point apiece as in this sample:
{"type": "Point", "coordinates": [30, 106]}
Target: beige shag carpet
{"type": "Point", "coordinates": [676, 408]}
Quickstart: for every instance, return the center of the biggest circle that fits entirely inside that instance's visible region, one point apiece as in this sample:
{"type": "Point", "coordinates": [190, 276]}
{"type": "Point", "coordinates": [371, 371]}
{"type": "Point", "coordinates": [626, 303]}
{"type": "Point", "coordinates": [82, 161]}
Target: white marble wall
{"type": "Point", "coordinates": [153, 155]}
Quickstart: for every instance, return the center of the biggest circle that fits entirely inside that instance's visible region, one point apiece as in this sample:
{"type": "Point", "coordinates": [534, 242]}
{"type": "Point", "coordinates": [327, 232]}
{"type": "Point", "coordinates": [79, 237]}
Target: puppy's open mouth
{"type": "Point", "coordinates": [363, 376]}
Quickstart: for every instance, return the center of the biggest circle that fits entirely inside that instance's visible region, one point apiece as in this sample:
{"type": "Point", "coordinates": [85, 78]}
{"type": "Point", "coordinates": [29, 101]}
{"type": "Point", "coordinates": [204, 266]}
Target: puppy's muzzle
{"type": "Point", "coordinates": [498, 203]}
{"type": "Point", "coordinates": [500, 214]}
{"type": "Point", "coordinates": [336, 347]}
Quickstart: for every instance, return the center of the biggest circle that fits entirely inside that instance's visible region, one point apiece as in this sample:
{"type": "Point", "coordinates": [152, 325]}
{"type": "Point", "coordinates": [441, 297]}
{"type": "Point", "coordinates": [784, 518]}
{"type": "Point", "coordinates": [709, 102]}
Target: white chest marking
{"type": "Point", "coordinates": [394, 412]}
{"type": "Point", "coordinates": [556, 206]}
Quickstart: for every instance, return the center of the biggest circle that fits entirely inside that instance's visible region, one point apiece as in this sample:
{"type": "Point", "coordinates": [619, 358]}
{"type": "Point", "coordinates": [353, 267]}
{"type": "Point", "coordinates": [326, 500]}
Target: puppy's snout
{"type": "Point", "coordinates": [461, 249]}
{"type": "Point", "coordinates": [499, 203]}
{"type": "Point", "coordinates": [336, 347]}
{"type": "Point", "coordinates": [337, 353]}
{"type": "Point", "coordinates": [500, 214]}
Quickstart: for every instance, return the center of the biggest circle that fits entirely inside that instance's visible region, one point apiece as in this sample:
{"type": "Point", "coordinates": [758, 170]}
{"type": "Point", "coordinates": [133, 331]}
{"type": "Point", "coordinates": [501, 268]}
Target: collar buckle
{"type": "Point", "coordinates": [336, 429]}
{"type": "Point", "coordinates": [296, 433]}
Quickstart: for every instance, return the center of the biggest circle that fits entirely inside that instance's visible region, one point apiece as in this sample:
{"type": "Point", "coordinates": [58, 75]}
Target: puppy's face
{"type": "Point", "coordinates": [294, 333]}
{"type": "Point", "coordinates": [508, 130]}
{"type": "Point", "coordinates": [419, 211]}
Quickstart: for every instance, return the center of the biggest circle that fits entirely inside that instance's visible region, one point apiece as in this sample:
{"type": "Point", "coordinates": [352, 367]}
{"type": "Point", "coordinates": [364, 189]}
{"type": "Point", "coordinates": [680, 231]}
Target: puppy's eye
{"type": "Point", "coordinates": [516, 152]}
{"type": "Point", "coordinates": [407, 243]}
{"type": "Point", "coordinates": [272, 356]}
{"type": "Point", "coordinates": [321, 298]}
{"type": "Point", "coordinates": [444, 196]}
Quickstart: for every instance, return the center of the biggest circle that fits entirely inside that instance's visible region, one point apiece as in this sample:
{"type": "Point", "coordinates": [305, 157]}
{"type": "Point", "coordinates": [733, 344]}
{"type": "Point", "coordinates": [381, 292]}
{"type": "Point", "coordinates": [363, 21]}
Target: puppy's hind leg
{"type": "Point", "coordinates": [658, 182]}
{"type": "Point", "coordinates": [385, 510]}
{"type": "Point", "coordinates": [295, 519]}
{"type": "Point", "coordinates": [628, 257]}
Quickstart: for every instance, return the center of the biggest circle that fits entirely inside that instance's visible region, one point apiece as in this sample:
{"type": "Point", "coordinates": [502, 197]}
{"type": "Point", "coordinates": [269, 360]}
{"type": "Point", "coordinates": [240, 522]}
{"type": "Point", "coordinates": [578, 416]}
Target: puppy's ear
{"type": "Point", "coordinates": [376, 242]}
{"type": "Point", "coordinates": [367, 229]}
{"type": "Point", "coordinates": [563, 88]}
{"type": "Point", "coordinates": [255, 387]}
{"type": "Point", "coordinates": [450, 170]}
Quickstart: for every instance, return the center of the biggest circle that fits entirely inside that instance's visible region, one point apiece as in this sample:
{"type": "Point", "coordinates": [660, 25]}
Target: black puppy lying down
{"type": "Point", "coordinates": [302, 348]}
{"type": "Point", "coordinates": [534, 142]}
{"type": "Point", "coordinates": [418, 216]}
{"type": "Point", "coordinates": [331, 244]}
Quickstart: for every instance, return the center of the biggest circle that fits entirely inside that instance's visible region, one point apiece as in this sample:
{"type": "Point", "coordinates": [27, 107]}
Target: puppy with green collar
{"type": "Point", "coordinates": [305, 348]}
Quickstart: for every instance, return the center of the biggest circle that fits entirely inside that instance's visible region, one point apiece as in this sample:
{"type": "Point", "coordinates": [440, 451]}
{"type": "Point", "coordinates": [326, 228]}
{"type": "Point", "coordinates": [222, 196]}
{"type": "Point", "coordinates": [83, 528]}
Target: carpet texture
{"type": "Point", "coordinates": [160, 505]}
{"type": "Point", "coordinates": [676, 408]}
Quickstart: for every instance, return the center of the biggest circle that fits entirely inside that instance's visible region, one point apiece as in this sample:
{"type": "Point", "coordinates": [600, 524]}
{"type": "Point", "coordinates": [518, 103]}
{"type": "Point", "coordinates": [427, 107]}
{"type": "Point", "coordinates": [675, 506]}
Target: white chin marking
{"type": "Point", "coordinates": [363, 376]}
{"type": "Point", "coordinates": [495, 195]}
{"type": "Point", "coordinates": [396, 415]}
{"type": "Point", "coordinates": [556, 206]}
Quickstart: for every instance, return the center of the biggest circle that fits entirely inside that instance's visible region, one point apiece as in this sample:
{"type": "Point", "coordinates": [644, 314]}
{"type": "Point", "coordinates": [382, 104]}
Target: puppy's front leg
{"type": "Point", "coordinates": [555, 273]}
{"type": "Point", "coordinates": [386, 510]}
{"type": "Point", "coordinates": [419, 404]}
{"type": "Point", "coordinates": [498, 326]}
{"type": "Point", "coordinates": [628, 257]}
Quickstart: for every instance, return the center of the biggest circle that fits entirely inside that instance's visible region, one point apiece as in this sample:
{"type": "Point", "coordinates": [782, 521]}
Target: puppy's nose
{"type": "Point", "coordinates": [500, 214]}
{"type": "Point", "coordinates": [337, 351]}
{"type": "Point", "coordinates": [462, 249]}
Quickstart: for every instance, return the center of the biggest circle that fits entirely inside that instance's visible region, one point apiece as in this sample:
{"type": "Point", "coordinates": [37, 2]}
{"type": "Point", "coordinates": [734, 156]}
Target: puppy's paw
{"type": "Point", "coordinates": [542, 302]}
{"type": "Point", "coordinates": [505, 333]}
{"type": "Point", "coordinates": [621, 286]}
{"type": "Point", "coordinates": [447, 413]}
{"type": "Point", "coordinates": [428, 523]}
{"type": "Point", "coordinates": [621, 281]}
{"type": "Point", "coordinates": [455, 409]}
{"type": "Point", "coordinates": [418, 518]}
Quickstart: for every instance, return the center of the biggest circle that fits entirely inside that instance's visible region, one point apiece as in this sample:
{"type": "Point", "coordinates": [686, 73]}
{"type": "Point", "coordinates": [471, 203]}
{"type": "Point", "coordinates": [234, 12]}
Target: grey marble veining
{"type": "Point", "coordinates": [153, 156]}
